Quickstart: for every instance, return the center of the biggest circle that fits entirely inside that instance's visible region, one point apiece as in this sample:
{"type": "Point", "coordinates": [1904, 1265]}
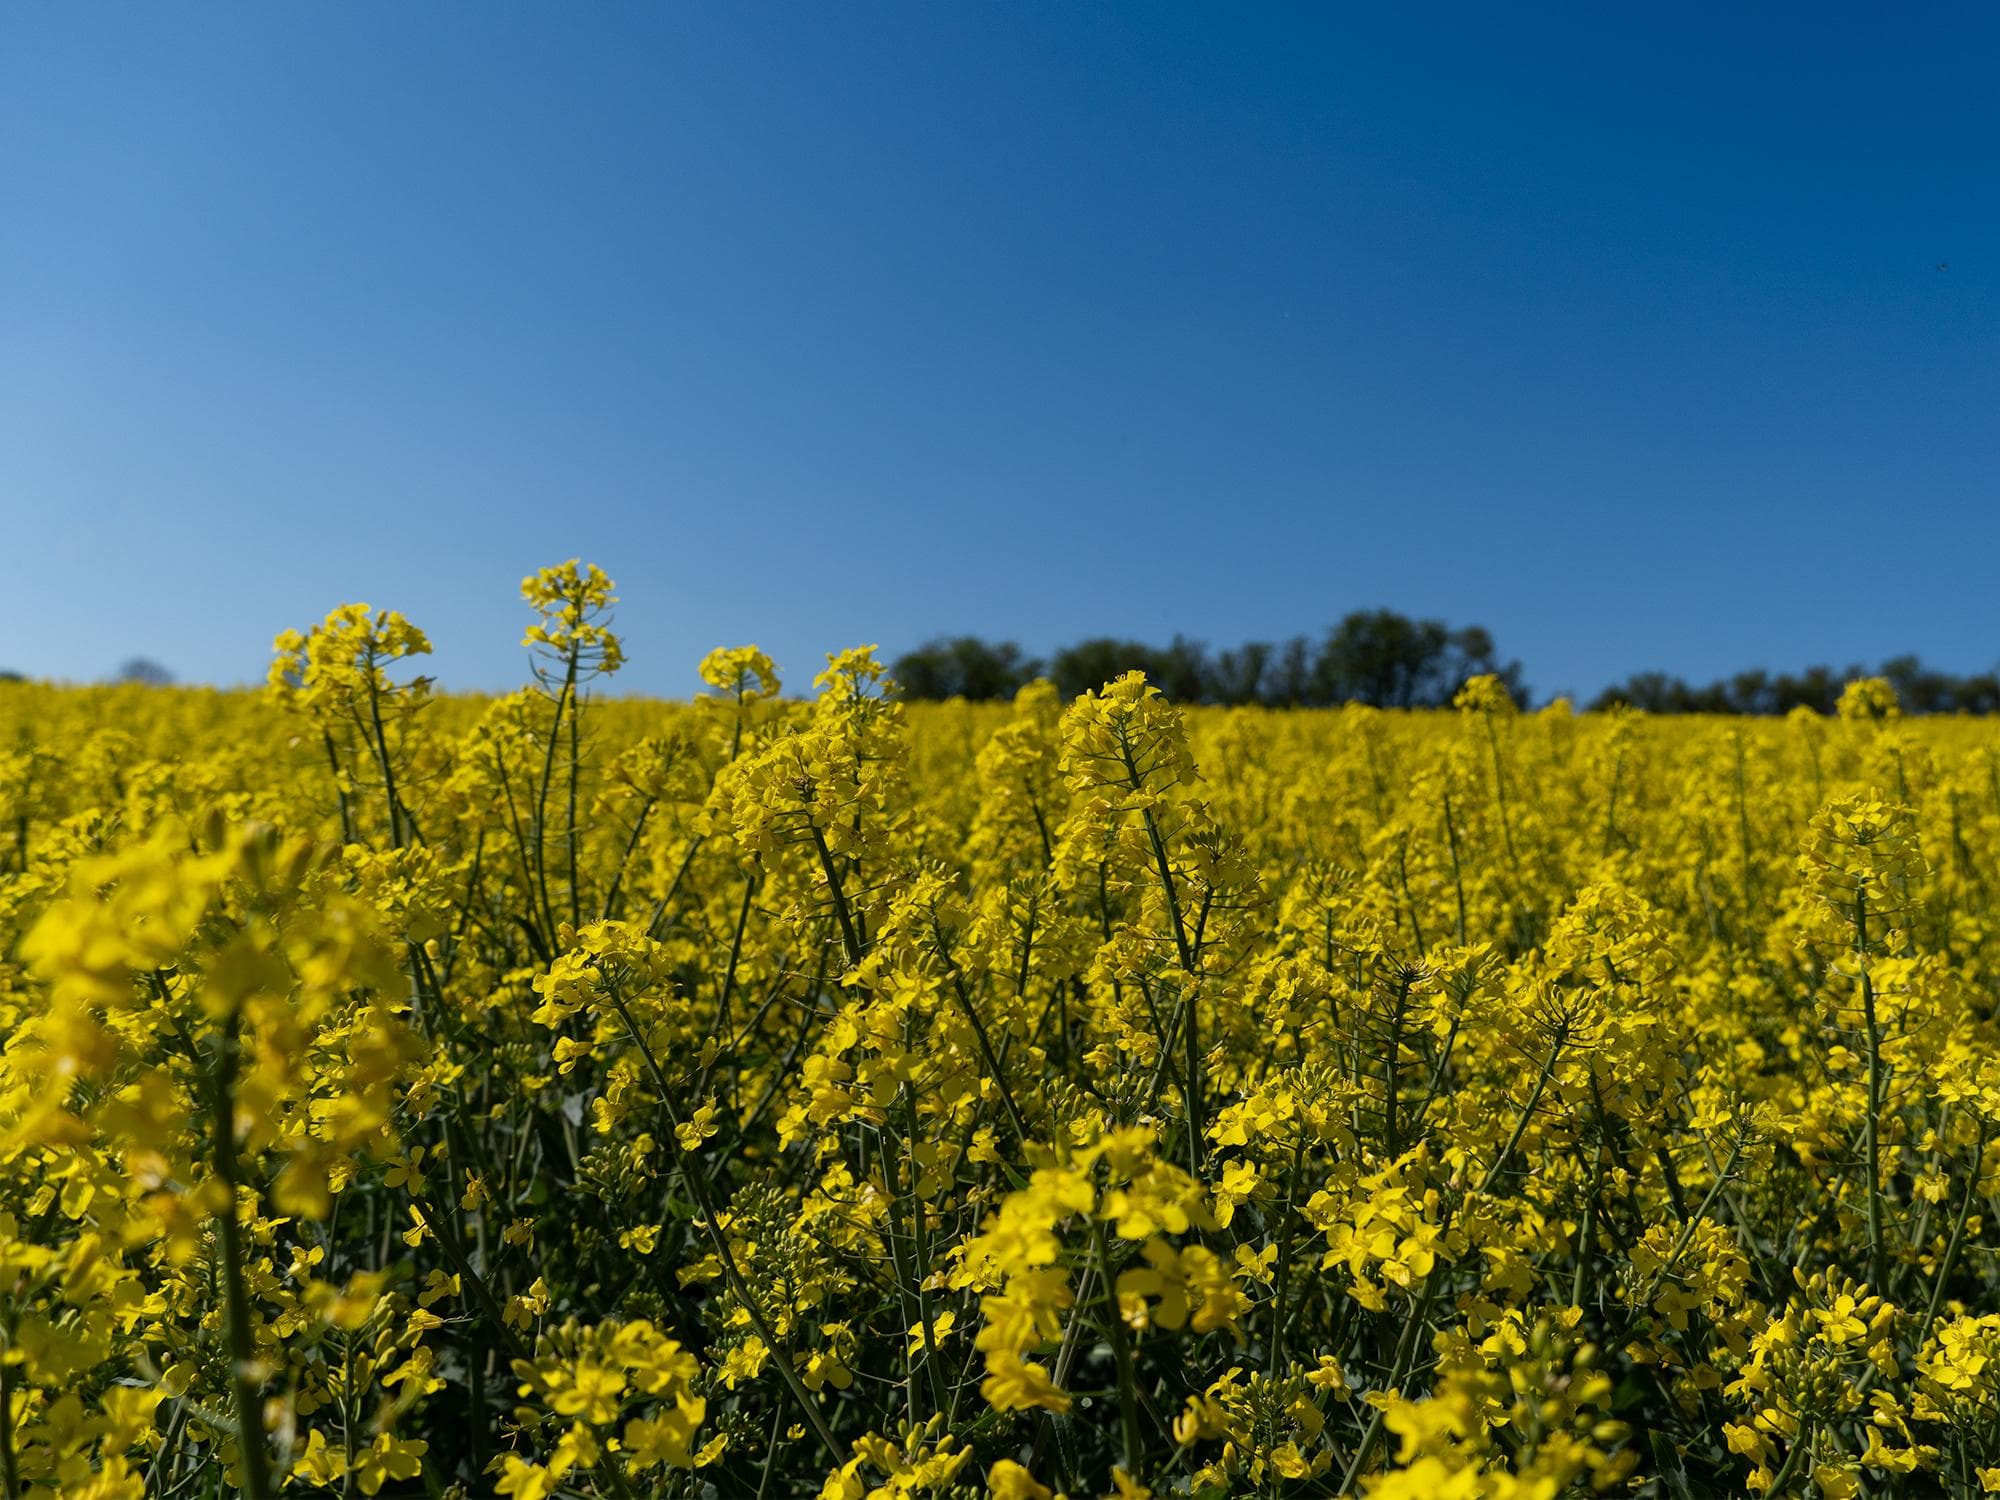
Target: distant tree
{"type": "Point", "coordinates": [1658, 693]}
{"type": "Point", "coordinates": [1238, 676]}
{"type": "Point", "coordinates": [1470, 652]}
{"type": "Point", "coordinates": [1289, 682]}
{"type": "Point", "coordinates": [1919, 689]}
{"type": "Point", "coordinates": [1373, 656]}
{"type": "Point", "coordinates": [145, 671]}
{"type": "Point", "coordinates": [964, 666]}
{"type": "Point", "coordinates": [1979, 694]}
{"type": "Point", "coordinates": [1184, 673]}
{"type": "Point", "coordinates": [1090, 664]}
{"type": "Point", "coordinates": [1386, 659]}
{"type": "Point", "coordinates": [1649, 692]}
{"type": "Point", "coordinates": [1816, 688]}
{"type": "Point", "coordinates": [1377, 657]}
{"type": "Point", "coordinates": [1750, 692]}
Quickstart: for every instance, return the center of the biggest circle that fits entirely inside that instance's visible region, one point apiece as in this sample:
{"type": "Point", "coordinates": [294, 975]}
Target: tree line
{"type": "Point", "coordinates": [1371, 656]}
{"type": "Point", "coordinates": [1376, 657]}
{"type": "Point", "coordinates": [1918, 689]}
{"type": "Point", "coordinates": [1386, 659]}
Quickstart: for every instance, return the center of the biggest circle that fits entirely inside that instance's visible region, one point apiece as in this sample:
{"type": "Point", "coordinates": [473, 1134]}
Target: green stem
{"type": "Point", "coordinates": [542, 792]}
{"type": "Point", "coordinates": [1457, 875]}
{"type": "Point", "coordinates": [1406, 1354]}
{"type": "Point", "coordinates": [850, 937]}
{"type": "Point", "coordinates": [719, 1239]}
{"type": "Point", "coordinates": [1586, 1243]}
{"type": "Point", "coordinates": [920, 1249]}
{"type": "Point", "coordinates": [1878, 1257]}
{"type": "Point", "coordinates": [1191, 1017]}
{"type": "Point", "coordinates": [253, 1454]}
{"type": "Point", "coordinates": [1957, 1240]}
{"type": "Point", "coordinates": [1390, 1064]}
{"type": "Point", "coordinates": [1790, 1466]}
{"type": "Point", "coordinates": [573, 834]}
{"type": "Point", "coordinates": [729, 975]}
{"type": "Point", "coordinates": [10, 1474]}
{"type": "Point", "coordinates": [1527, 1113]}
{"type": "Point", "coordinates": [625, 859]}
{"type": "Point", "coordinates": [382, 752]}
{"type": "Point", "coordinates": [339, 787]}
{"type": "Point", "coordinates": [1281, 1285]}
{"type": "Point", "coordinates": [1121, 1354]}
{"type": "Point", "coordinates": [482, 1293]}
{"type": "Point", "coordinates": [1500, 791]}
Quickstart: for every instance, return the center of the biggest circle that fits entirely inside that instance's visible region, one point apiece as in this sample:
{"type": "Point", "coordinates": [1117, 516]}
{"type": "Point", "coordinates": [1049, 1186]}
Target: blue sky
{"type": "Point", "coordinates": [1615, 329]}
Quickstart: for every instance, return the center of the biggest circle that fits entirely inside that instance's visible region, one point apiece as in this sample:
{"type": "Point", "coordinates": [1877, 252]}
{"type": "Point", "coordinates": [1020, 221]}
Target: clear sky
{"type": "Point", "coordinates": [1616, 329]}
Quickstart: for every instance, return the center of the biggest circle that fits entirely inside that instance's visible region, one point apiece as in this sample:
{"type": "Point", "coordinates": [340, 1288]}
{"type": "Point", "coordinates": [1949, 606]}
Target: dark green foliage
{"type": "Point", "coordinates": [1372, 656]}
{"type": "Point", "coordinates": [964, 666]}
{"type": "Point", "coordinates": [1919, 689]}
{"type": "Point", "coordinates": [1389, 660]}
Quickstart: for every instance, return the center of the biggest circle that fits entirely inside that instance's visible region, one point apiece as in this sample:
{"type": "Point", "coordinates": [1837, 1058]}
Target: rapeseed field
{"type": "Point", "coordinates": [798, 1092]}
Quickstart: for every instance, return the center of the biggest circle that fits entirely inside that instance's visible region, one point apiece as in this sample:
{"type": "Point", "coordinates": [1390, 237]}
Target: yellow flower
{"type": "Point", "coordinates": [1013, 1383]}
{"type": "Point", "coordinates": [524, 1481]}
{"type": "Point", "coordinates": [389, 1458]}
{"type": "Point", "coordinates": [1007, 1480]}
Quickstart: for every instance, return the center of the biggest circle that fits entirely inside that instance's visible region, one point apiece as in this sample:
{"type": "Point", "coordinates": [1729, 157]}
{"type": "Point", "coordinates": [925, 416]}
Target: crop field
{"type": "Point", "coordinates": [798, 1092]}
